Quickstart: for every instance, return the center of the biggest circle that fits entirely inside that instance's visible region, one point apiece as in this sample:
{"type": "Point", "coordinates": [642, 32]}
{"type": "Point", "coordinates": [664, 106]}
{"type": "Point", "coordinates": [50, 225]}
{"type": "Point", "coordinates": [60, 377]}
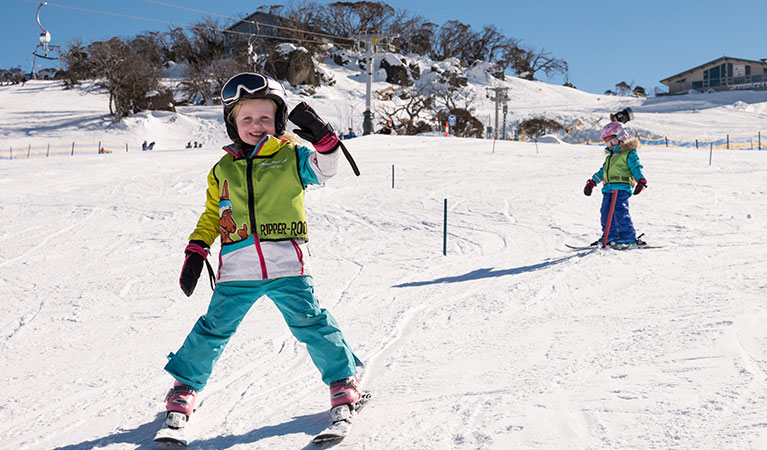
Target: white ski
{"type": "Point", "coordinates": [342, 417]}
{"type": "Point", "coordinates": [173, 430]}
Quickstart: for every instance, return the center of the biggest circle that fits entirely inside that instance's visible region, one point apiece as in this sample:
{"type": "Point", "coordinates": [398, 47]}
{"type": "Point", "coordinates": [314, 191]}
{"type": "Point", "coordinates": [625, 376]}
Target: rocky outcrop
{"type": "Point", "coordinates": [396, 71]}
{"type": "Point", "coordinates": [158, 101]}
{"type": "Point", "coordinates": [291, 63]}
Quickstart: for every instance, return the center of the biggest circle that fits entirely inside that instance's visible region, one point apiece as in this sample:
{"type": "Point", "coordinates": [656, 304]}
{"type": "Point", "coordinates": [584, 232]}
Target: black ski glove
{"type": "Point", "coordinates": [314, 129]}
{"type": "Point", "coordinates": [195, 252]}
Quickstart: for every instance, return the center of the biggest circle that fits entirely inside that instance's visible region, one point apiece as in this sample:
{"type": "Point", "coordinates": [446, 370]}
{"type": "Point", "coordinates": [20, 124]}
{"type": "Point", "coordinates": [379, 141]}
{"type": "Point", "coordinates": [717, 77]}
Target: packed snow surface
{"type": "Point", "coordinates": [508, 341]}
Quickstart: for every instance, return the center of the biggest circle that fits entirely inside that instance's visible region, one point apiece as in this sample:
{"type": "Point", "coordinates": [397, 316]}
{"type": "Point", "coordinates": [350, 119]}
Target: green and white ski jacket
{"type": "Point", "coordinates": [255, 205]}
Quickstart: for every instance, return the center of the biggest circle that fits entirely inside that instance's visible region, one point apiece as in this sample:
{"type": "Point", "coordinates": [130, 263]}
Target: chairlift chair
{"type": "Point", "coordinates": [45, 39]}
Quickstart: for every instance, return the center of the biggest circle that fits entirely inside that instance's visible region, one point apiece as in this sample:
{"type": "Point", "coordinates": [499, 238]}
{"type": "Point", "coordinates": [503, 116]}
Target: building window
{"type": "Point", "coordinates": [697, 84]}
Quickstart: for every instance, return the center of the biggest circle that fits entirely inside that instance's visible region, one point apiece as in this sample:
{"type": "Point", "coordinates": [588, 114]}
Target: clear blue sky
{"type": "Point", "coordinates": [603, 42]}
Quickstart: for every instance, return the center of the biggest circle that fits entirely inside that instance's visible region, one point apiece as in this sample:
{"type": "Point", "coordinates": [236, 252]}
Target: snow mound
{"type": "Point", "coordinates": [549, 139]}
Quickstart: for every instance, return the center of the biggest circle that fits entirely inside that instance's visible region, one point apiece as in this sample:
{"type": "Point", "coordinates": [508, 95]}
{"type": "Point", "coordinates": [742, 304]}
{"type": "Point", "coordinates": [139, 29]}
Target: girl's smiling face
{"type": "Point", "coordinates": [254, 119]}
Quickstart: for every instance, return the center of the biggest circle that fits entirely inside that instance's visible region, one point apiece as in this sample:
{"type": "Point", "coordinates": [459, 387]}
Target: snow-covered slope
{"type": "Point", "coordinates": [41, 113]}
{"type": "Point", "coordinates": [507, 342]}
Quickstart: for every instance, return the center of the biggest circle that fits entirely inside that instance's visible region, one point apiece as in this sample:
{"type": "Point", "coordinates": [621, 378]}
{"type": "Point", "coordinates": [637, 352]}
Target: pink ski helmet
{"type": "Point", "coordinates": [614, 129]}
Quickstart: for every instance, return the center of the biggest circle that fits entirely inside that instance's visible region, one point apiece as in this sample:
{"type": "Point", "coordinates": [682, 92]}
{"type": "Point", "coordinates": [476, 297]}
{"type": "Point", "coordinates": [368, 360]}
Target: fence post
{"type": "Point", "coordinates": [710, 153]}
{"type": "Point", "coordinates": [760, 140]}
{"type": "Point", "coordinates": [11, 150]}
{"type": "Point", "coordinates": [666, 141]}
{"type": "Point", "coordinates": [98, 149]}
{"type": "Point", "coordinates": [444, 232]}
{"type": "Point", "coordinates": [48, 152]}
{"type": "Point", "coordinates": [126, 147]}
{"type": "Point", "coordinates": [28, 150]}
{"type": "Point", "coordinates": [392, 176]}
{"type": "Point", "coordinates": [728, 142]}
{"type": "Point", "coordinates": [696, 143]}
{"type": "Point", "coordinates": [73, 149]}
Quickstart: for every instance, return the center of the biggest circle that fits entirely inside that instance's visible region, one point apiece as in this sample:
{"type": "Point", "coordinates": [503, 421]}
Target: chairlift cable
{"type": "Point", "coordinates": [248, 21]}
{"type": "Point", "coordinates": [186, 25]}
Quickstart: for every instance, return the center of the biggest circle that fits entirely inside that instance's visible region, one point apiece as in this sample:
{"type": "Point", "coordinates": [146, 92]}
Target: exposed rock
{"type": "Point", "coordinates": [415, 71]}
{"type": "Point", "coordinates": [292, 64]}
{"type": "Point", "coordinates": [455, 79]}
{"type": "Point", "coordinates": [158, 101]}
{"type": "Point", "coordinates": [396, 72]}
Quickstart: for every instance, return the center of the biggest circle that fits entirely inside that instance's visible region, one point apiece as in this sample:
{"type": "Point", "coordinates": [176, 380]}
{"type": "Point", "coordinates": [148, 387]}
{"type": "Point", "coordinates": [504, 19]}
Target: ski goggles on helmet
{"type": "Point", "coordinates": [246, 83]}
{"type": "Point", "coordinates": [612, 142]}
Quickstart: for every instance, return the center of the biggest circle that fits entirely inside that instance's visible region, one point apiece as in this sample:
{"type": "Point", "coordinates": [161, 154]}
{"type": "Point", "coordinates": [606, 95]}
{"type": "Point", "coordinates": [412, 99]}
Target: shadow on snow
{"type": "Point", "coordinates": [143, 435]}
{"type": "Point", "coordinates": [491, 273]}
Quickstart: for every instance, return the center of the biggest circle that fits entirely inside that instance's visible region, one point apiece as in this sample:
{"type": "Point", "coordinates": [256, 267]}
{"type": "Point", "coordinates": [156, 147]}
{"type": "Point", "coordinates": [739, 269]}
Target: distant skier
{"type": "Point", "coordinates": [255, 203]}
{"type": "Point", "coordinates": [620, 169]}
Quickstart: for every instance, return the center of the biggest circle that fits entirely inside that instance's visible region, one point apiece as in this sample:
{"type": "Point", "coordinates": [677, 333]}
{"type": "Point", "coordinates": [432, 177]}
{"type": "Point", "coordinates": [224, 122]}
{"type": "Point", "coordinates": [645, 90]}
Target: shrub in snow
{"type": "Point", "coordinates": [538, 126]}
{"type": "Point", "coordinates": [466, 125]}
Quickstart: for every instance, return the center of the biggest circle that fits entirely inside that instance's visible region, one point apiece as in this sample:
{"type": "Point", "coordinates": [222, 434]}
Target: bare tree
{"type": "Point", "coordinates": [74, 59]}
{"type": "Point", "coordinates": [11, 76]}
{"type": "Point", "coordinates": [346, 19]}
{"type": "Point", "coordinates": [526, 62]}
{"type": "Point", "coordinates": [303, 18]}
{"type": "Point", "coordinates": [453, 39]}
{"type": "Point", "coordinates": [451, 97]}
{"type": "Point", "coordinates": [208, 63]}
{"type": "Point", "coordinates": [415, 34]}
{"type": "Point", "coordinates": [411, 111]}
{"type": "Point", "coordinates": [623, 88]}
{"type": "Point", "coordinates": [127, 70]}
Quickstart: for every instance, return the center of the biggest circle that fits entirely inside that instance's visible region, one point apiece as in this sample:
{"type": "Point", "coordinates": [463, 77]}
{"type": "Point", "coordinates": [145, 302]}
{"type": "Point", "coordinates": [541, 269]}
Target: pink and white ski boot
{"type": "Point", "coordinates": [179, 405]}
{"type": "Point", "coordinates": [344, 396]}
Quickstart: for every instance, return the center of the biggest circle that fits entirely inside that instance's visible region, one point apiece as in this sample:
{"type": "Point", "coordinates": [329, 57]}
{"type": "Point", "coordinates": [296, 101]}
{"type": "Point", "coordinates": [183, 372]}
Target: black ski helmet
{"type": "Point", "coordinates": [249, 85]}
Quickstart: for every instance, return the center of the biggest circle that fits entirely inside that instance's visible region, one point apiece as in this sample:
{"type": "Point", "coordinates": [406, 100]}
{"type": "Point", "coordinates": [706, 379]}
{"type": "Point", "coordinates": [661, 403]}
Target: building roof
{"type": "Point", "coordinates": [722, 58]}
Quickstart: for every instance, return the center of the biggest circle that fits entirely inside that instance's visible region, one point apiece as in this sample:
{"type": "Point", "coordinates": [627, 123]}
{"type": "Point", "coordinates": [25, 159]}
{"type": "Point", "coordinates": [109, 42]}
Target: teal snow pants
{"type": "Point", "coordinates": [294, 297]}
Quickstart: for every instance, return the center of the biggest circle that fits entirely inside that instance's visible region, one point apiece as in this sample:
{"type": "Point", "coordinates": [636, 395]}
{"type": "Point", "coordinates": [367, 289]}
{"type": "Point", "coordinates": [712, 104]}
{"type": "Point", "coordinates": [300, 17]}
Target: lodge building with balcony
{"type": "Point", "coordinates": [721, 74]}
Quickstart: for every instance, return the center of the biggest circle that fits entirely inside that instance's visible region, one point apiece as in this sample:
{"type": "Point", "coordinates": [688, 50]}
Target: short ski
{"type": "Point", "coordinates": [175, 437]}
{"type": "Point", "coordinates": [342, 421]}
{"type": "Point", "coordinates": [633, 247]}
{"type": "Point", "coordinates": [173, 430]}
{"type": "Point", "coordinates": [612, 246]}
{"type": "Point", "coordinates": [576, 247]}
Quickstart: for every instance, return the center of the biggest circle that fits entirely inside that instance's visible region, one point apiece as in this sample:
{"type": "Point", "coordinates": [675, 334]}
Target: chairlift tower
{"type": "Point", "coordinates": [499, 96]}
{"type": "Point", "coordinates": [370, 41]}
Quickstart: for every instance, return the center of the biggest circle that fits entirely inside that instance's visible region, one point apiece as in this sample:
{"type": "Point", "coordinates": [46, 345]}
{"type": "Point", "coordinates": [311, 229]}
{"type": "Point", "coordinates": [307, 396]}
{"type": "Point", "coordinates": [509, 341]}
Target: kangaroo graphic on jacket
{"type": "Point", "coordinates": [227, 225]}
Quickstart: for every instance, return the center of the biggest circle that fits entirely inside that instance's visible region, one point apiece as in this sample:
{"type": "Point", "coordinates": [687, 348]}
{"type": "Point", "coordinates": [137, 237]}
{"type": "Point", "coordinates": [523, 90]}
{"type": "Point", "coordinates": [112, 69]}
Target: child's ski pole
{"type": "Point", "coordinates": [609, 218]}
{"type": "Point", "coordinates": [350, 159]}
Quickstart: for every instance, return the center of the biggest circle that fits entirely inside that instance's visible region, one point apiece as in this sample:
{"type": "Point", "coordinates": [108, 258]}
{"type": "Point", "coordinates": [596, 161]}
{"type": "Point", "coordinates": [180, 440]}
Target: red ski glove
{"type": "Point", "coordinates": [590, 185]}
{"type": "Point", "coordinates": [641, 184]}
